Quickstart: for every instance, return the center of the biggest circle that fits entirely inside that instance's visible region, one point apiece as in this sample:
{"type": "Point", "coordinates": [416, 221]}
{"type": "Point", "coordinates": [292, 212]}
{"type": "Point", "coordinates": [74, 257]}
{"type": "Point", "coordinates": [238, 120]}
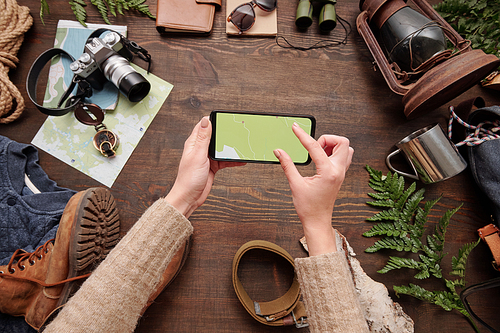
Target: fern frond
{"type": "Point", "coordinates": [391, 214]}
{"type": "Point", "coordinates": [77, 6]}
{"type": "Point", "coordinates": [398, 263]}
{"type": "Point", "coordinates": [390, 243]}
{"type": "Point", "coordinates": [411, 205]}
{"type": "Point", "coordinates": [44, 7]}
{"type": "Point", "coordinates": [374, 174]}
{"type": "Point", "coordinates": [102, 8]}
{"type": "Point", "coordinates": [421, 214]}
{"type": "Point", "coordinates": [120, 6]}
{"type": "Point", "coordinates": [394, 224]}
{"type": "Point", "coordinates": [382, 229]}
{"type": "Point", "coordinates": [382, 203]}
{"type": "Point", "coordinates": [415, 291]}
{"type": "Point", "coordinates": [458, 263]}
{"type": "Point", "coordinates": [111, 6]}
{"type": "Point", "coordinates": [440, 230]}
{"type": "Point", "coordinates": [140, 7]}
{"type": "Point", "coordinates": [380, 196]}
{"type": "Point", "coordinates": [396, 186]}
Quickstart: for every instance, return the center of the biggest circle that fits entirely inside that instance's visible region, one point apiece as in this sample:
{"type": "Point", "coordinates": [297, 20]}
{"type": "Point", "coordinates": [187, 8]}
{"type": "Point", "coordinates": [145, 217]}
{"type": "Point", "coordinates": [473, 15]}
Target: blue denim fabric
{"type": "Point", "coordinates": [27, 220]}
{"type": "Point", "coordinates": [484, 160]}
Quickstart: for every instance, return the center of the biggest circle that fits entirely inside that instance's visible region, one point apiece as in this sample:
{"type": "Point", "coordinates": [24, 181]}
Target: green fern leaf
{"type": "Point", "coordinates": [374, 174]}
{"type": "Point", "coordinates": [380, 196]}
{"type": "Point", "coordinates": [415, 291]}
{"type": "Point", "coordinates": [381, 229]}
{"type": "Point", "coordinates": [139, 6]}
{"type": "Point", "coordinates": [120, 6]}
{"type": "Point", "coordinates": [458, 263]}
{"type": "Point", "coordinates": [421, 214]}
{"type": "Point", "coordinates": [401, 223]}
{"type": "Point", "coordinates": [411, 205]}
{"type": "Point", "coordinates": [44, 7]}
{"type": "Point", "coordinates": [111, 6]}
{"type": "Point", "coordinates": [77, 6]}
{"type": "Point", "coordinates": [402, 200]}
{"type": "Point", "coordinates": [398, 263]}
{"type": "Point", "coordinates": [391, 214]}
{"type": "Point", "coordinates": [382, 203]}
{"type": "Point", "coordinates": [102, 8]}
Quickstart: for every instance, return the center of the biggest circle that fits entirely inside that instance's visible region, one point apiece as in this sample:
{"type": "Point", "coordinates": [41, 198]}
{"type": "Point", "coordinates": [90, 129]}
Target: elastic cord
{"type": "Point", "coordinates": [320, 44]}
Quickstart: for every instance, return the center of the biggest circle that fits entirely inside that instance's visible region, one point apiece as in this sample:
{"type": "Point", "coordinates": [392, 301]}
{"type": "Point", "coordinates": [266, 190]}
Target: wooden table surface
{"type": "Point", "coordinates": [339, 87]}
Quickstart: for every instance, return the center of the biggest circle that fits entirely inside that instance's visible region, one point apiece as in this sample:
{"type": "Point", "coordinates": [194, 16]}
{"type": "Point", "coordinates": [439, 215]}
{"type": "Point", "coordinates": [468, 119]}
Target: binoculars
{"type": "Point", "coordinates": [327, 15]}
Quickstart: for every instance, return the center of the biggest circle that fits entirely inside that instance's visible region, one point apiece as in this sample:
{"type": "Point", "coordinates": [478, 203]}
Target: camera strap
{"type": "Point", "coordinates": [84, 89]}
{"type": "Point", "coordinates": [105, 141]}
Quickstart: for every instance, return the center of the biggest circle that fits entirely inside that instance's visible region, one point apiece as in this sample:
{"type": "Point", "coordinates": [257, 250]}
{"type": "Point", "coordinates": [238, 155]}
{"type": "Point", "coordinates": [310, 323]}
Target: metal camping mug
{"type": "Point", "coordinates": [431, 154]}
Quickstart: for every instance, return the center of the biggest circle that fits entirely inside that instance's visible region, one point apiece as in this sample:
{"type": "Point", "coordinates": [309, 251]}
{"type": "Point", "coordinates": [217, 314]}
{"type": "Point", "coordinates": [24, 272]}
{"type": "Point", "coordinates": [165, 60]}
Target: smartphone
{"type": "Point", "coordinates": [252, 136]}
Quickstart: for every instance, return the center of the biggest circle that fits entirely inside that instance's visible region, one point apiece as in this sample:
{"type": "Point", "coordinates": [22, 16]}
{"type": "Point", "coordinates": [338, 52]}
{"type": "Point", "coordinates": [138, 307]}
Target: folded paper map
{"type": "Point", "coordinates": [71, 141]}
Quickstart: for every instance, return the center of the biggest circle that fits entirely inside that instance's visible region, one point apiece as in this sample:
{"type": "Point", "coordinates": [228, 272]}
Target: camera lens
{"type": "Point", "coordinates": [132, 84]}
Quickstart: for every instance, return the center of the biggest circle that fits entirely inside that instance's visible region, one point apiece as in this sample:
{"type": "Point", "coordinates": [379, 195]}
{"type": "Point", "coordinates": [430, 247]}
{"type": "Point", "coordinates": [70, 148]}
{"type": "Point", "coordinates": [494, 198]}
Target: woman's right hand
{"type": "Point", "coordinates": [314, 197]}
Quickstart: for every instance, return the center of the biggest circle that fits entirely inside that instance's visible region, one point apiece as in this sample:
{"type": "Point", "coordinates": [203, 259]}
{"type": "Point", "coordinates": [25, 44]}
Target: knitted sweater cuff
{"type": "Point", "coordinates": [329, 294]}
{"type": "Point", "coordinates": [114, 295]}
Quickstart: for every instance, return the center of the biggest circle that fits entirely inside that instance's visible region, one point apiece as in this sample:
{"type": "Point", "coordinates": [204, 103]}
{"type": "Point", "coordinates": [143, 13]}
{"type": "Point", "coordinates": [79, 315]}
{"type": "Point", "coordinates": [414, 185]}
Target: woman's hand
{"type": "Point", "coordinates": [196, 171]}
{"type": "Point", "coordinates": [314, 197]}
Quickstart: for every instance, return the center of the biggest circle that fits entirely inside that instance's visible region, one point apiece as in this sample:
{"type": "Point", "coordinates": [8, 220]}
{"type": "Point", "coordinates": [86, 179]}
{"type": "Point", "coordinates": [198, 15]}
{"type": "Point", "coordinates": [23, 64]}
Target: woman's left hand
{"type": "Point", "coordinates": [196, 171]}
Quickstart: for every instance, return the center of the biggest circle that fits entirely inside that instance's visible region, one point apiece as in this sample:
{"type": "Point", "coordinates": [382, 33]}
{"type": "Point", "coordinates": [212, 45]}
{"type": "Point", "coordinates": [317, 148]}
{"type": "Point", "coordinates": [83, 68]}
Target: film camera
{"type": "Point", "coordinates": [108, 58]}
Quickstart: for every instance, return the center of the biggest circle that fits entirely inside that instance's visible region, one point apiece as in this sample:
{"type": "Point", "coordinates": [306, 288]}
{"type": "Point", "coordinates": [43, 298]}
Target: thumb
{"type": "Point", "coordinates": [291, 172]}
{"type": "Point", "coordinates": [204, 133]}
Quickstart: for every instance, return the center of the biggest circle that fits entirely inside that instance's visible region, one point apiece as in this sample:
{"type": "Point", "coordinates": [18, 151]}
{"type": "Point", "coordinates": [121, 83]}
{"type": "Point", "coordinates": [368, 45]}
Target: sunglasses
{"type": "Point", "coordinates": [243, 16]}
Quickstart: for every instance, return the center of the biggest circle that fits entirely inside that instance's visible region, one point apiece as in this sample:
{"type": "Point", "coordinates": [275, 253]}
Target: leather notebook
{"type": "Point", "coordinates": [187, 16]}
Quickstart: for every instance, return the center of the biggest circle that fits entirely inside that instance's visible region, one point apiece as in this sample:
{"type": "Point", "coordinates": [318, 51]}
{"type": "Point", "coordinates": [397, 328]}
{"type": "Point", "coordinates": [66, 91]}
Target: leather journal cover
{"type": "Point", "coordinates": [188, 16]}
{"type": "Point", "coordinates": [266, 23]}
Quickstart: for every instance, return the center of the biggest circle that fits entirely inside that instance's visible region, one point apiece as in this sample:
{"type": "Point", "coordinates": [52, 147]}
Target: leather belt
{"type": "Point", "coordinates": [284, 311]}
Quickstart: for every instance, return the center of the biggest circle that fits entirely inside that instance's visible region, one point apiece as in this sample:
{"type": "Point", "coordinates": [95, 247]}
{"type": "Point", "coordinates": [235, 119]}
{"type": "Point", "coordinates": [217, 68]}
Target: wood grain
{"type": "Point", "coordinates": [338, 86]}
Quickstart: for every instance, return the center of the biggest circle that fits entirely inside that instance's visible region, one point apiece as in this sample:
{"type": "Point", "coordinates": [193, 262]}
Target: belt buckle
{"type": "Point", "coordinates": [303, 321]}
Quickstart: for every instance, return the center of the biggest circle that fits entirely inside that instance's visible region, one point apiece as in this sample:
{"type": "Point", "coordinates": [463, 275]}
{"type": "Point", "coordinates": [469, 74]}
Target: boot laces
{"type": "Point", "coordinates": [481, 132]}
{"type": "Point", "coordinates": [20, 256]}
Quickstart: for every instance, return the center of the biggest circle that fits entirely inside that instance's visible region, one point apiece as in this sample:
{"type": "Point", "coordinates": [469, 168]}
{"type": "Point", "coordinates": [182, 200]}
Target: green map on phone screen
{"type": "Point", "coordinates": [254, 137]}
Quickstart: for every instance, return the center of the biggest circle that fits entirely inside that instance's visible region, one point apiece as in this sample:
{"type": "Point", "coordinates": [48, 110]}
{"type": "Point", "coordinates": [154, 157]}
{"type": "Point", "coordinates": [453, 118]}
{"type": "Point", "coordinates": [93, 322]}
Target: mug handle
{"type": "Point", "coordinates": [389, 165]}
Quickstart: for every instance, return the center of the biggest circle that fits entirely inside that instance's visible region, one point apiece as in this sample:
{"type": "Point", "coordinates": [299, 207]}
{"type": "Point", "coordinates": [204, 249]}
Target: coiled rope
{"type": "Point", "coordinates": [15, 20]}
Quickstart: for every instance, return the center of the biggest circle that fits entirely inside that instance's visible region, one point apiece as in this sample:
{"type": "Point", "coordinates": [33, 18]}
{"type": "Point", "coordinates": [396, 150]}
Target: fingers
{"type": "Point", "coordinates": [200, 136]}
{"type": "Point", "coordinates": [327, 149]}
{"type": "Point", "coordinates": [291, 172]}
{"type": "Point", "coordinates": [313, 147]}
{"type": "Point", "coordinates": [349, 158]}
{"type": "Point", "coordinates": [204, 134]}
{"type": "Point", "coordinates": [337, 147]}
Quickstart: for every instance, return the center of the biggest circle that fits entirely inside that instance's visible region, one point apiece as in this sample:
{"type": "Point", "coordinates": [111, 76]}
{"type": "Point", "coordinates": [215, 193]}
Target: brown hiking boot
{"type": "Point", "coordinates": [35, 284]}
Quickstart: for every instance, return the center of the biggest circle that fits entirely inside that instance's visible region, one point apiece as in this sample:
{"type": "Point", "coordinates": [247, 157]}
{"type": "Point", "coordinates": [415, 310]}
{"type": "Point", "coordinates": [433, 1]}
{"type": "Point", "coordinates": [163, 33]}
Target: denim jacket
{"type": "Point", "coordinates": [30, 209]}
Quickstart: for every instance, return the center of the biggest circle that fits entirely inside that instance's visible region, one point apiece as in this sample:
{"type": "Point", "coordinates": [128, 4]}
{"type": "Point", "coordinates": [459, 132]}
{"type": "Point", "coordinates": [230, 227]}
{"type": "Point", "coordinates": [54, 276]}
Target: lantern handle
{"type": "Point", "coordinates": [431, 13]}
{"type": "Point", "coordinates": [377, 53]}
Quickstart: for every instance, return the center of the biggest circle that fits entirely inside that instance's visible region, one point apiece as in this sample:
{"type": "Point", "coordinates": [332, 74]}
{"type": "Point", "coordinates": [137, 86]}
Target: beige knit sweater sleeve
{"type": "Point", "coordinates": [112, 298]}
{"type": "Point", "coordinates": [329, 294]}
